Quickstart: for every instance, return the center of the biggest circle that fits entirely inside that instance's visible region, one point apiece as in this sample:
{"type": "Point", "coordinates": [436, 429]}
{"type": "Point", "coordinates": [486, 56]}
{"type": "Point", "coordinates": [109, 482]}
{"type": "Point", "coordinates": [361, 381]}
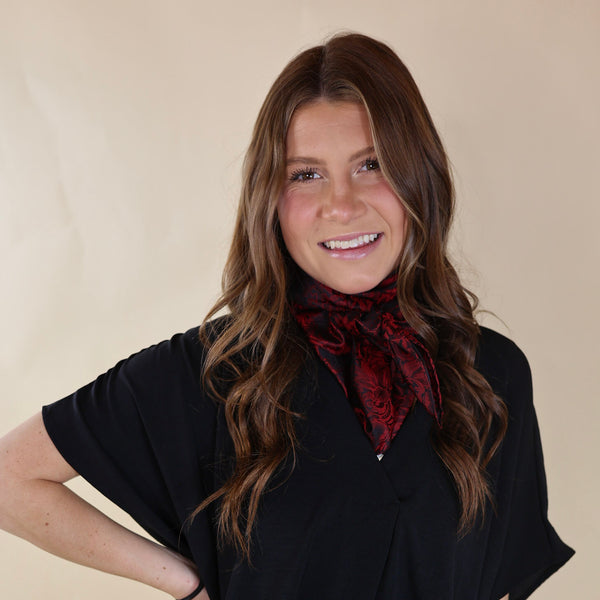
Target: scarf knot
{"type": "Point", "coordinates": [372, 351]}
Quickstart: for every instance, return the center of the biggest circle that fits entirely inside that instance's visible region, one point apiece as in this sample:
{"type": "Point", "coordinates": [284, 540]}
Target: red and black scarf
{"type": "Point", "coordinates": [373, 352]}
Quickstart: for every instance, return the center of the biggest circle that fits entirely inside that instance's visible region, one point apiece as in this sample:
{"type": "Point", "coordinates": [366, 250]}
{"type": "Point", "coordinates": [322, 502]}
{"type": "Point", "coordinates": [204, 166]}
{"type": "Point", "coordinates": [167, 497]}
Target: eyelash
{"type": "Point", "coordinates": [306, 173]}
{"type": "Point", "coordinates": [301, 174]}
{"type": "Point", "coordinates": [373, 161]}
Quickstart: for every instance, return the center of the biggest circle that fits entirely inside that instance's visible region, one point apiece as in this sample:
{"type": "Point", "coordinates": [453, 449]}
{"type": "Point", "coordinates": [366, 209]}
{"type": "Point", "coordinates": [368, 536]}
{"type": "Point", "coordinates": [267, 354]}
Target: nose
{"type": "Point", "coordinates": [341, 202]}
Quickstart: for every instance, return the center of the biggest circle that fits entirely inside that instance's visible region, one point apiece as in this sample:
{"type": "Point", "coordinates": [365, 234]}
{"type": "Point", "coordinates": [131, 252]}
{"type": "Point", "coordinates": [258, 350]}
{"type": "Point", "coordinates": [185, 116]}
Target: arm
{"type": "Point", "coordinates": [35, 505]}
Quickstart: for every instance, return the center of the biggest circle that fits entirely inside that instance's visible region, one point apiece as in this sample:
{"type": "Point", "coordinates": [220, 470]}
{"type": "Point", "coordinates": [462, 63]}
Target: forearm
{"type": "Point", "coordinates": [35, 505]}
{"type": "Point", "coordinates": [51, 516]}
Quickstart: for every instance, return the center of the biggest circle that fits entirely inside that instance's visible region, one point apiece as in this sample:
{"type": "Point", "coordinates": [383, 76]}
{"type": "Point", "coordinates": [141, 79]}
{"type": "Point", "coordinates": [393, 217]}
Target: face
{"type": "Point", "coordinates": [341, 222]}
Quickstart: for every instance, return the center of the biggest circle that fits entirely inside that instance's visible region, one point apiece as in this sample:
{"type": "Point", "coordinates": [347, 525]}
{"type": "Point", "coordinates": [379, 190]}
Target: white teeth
{"type": "Point", "coordinates": [361, 240]}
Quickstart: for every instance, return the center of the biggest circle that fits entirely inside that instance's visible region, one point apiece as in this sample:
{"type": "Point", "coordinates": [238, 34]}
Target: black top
{"type": "Point", "coordinates": [341, 524]}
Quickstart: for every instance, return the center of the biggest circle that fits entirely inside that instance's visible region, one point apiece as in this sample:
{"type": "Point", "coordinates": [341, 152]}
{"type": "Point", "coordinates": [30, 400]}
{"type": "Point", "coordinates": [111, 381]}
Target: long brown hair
{"type": "Point", "coordinates": [257, 348]}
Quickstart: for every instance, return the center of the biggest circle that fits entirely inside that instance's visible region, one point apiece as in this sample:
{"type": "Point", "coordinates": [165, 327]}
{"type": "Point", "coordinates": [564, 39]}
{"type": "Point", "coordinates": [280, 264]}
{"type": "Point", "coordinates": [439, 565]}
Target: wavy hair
{"type": "Point", "coordinates": [256, 350]}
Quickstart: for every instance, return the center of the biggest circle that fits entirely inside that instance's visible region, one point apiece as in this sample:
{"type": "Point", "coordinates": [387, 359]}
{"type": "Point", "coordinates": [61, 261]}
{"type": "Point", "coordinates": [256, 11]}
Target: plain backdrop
{"type": "Point", "coordinates": [122, 129]}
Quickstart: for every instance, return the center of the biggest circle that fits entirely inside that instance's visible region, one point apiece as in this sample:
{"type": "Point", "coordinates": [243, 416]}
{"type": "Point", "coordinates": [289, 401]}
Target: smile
{"type": "Point", "coordinates": [357, 242]}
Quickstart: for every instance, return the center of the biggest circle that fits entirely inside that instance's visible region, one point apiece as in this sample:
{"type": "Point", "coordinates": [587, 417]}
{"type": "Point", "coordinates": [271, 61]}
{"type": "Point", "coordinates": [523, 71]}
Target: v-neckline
{"type": "Point", "coordinates": [400, 470]}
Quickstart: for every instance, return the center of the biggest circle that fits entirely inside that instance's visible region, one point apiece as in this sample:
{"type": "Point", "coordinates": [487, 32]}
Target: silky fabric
{"type": "Point", "coordinates": [372, 351]}
{"type": "Point", "coordinates": [336, 522]}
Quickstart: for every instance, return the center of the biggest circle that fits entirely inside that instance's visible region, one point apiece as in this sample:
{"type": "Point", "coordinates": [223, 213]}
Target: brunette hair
{"type": "Point", "coordinates": [257, 347]}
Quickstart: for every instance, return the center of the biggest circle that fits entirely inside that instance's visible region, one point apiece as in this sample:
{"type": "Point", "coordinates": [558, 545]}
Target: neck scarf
{"type": "Point", "coordinates": [372, 351]}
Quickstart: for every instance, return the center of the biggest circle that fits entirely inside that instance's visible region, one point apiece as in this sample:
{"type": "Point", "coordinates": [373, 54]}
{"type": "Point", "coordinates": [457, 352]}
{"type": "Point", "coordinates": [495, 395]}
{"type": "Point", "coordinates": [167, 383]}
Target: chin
{"type": "Point", "coordinates": [353, 285]}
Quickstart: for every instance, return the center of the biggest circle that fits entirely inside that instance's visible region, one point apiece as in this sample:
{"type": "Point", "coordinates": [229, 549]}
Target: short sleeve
{"type": "Point", "coordinates": [142, 434]}
{"type": "Point", "coordinates": [531, 550]}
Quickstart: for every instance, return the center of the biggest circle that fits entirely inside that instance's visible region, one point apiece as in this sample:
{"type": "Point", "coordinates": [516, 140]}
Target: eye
{"type": "Point", "coordinates": [370, 164]}
{"type": "Point", "coordinates": [304, 174]}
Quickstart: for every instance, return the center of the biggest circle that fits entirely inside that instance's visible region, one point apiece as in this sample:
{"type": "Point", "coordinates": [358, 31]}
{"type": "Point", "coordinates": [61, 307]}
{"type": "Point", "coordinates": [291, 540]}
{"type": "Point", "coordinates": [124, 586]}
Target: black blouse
{"type": "Point", "coordinates": [341, 523]}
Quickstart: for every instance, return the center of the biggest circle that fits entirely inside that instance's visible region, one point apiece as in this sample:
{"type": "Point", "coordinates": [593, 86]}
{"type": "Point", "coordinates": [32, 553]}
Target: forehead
{"type": "Point", "coordinates": [328, 122]}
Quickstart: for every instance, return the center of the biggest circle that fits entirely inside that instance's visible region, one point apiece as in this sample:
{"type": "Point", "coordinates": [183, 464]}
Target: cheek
{"type": "Point", "coordinates": [289, 215]}
{"type": "Point", "coordinates": [395, 215]}
{"type": "Point", "coordinates": [391, 209]}
{"type": "Point", "coordinates": [285, 215]}
{"type": "Point", "coordinates": [296, 215]}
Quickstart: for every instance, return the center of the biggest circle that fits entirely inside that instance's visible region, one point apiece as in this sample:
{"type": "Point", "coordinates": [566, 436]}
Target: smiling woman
{"type": "Point", "coordinates": [340, 219]}
{"type": "Point", "coordinates": [347, 430]}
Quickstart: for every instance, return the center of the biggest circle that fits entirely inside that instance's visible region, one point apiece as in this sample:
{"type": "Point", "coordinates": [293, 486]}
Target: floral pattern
{"type": "Point", "coordinates": [375, 355]}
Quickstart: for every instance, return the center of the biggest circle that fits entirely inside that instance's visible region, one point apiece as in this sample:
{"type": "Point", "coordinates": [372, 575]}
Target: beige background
{"type": "Point", "coordinates": [122, 128]}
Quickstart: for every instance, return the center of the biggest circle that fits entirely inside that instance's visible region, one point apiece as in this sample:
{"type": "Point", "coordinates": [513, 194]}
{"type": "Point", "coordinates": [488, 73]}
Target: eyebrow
{"type": "Point", "coordinates": [312, 159]}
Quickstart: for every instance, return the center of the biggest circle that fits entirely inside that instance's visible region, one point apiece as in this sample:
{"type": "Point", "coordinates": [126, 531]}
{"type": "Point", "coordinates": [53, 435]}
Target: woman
{"type": "Point", "coordinates": [347, 430]}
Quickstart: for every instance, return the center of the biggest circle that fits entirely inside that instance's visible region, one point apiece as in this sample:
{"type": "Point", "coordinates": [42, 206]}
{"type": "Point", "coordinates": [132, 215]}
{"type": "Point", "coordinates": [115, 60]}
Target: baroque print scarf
{"type": "Point", "coordinates": [372, 351]}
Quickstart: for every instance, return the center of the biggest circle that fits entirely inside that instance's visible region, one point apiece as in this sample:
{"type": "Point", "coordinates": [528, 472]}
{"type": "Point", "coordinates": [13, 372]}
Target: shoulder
{"type": "Point", "coordinates": [505, 367]}
{"type": "Point", "coordinates": [165, 376]}
{"type": "Point", "coordinates": [182, 351]}
{"type": "Point", "coordinates": [496, 349]}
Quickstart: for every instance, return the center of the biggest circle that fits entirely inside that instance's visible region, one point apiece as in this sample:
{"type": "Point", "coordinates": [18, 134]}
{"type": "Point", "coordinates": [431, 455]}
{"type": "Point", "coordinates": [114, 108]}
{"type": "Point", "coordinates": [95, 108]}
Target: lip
{"type": "Point", "coordinates": [352, 253]}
